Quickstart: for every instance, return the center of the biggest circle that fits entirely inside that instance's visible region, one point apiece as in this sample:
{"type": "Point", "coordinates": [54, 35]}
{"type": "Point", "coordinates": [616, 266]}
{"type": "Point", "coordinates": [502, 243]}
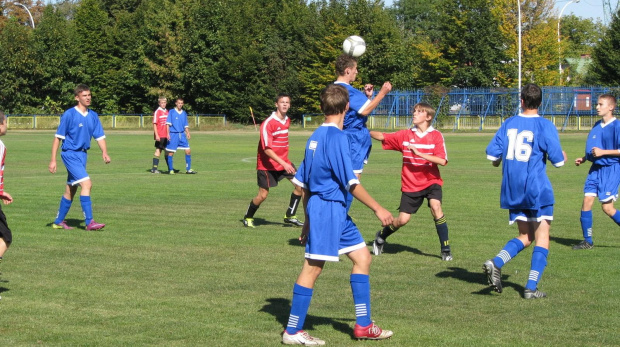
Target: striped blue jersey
{"type": "Point", "coordinates": [524, 143]}
{"type": "Point", "coordinates": [604, 136]}
{"type": "Point", "coordinates": [76, 129]}
{"type": "Point", "coordinates": [358, 101]}
{"type": "Point", "coordinates": [326, 169]}
{"type": "Point", "coordinates": [177, 121]}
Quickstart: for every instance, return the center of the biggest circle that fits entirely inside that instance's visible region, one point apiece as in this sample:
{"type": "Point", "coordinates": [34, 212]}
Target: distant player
{"type": "Point", "coordinates": [160, 132]}
{"type": "Point", "coordinates": [423, 149]}
{"type": "Point", "coordinates": [178, 137]}
{"type": "Point", "coordinates": [6, 236]}
{"type": "Point", "coordinates": [77, 126]}
{"type": "Point", "coordinates": [272, 163]}
{"type": "Point", "coordinates": [603, 180]}
{"type": "Point", "coordinates": [525, 143]}
{"type": "Point", "coordinates": [361, 105]}
{"type": "Point", "coordinates": [326, 175]}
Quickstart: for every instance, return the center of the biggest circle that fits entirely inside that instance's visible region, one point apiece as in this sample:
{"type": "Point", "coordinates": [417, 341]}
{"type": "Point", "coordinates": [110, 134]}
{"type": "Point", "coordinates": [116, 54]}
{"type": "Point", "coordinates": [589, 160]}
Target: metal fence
{"type": "Point", "coordinates": [112, 121]}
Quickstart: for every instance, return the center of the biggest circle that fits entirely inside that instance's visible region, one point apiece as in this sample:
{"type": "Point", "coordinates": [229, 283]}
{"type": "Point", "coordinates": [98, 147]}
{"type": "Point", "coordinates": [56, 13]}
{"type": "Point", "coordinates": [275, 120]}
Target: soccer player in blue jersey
{"type": "Point", "coordinates": [603, 180]}
{"type": "Point", "coordinates": [326, 176]}
{"type": "Point", "coordinates": [77, 126]}
{"type": "Point", "coordinates": [360, 106]}
{"type": "Point", "coordinates": [525, 143]}
{"type": "Point", "coordinates": [178, 137]}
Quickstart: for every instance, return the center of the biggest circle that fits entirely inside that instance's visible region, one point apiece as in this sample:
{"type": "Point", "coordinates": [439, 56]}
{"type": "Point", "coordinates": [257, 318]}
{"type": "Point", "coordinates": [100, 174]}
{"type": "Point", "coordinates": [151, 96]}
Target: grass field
{"type": "Point", "coordinates": [174, 265]}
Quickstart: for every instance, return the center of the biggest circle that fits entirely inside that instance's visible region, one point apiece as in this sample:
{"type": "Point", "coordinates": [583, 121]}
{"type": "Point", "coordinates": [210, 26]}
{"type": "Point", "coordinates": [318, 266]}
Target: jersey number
{"type": "Point", "coordinates": [519, 145]}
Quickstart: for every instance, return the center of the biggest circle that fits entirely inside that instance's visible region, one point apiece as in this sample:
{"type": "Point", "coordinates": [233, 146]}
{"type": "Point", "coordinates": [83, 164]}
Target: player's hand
{"type": "Point", "coordinates": [6, 198]}
{"type": "Point", "coordinates": [369, 89]}
{"type": "Point", "coordinates": [106, 158]}
{"type": "Point", "coordinates": [387, 87]}
{"type": "Point", "coordinates": [597, 152]}
{"type": "Point", "coordinates": [579, 161]}
{"type": "Point", "coordinates": [496, 163]}
{"type": "Point", "coordinates": [384, 216]}
{"type": "Point", "coordinates": [290, 169]}
{"type": "Point", "coordinates": [303, 238]}
{"type": "Point", "coordinates": [189, 136]}
{"type": "Point", "coordinates": [157, 138]}
{"type": "Point", "coordinates": [414, 150]}
{"type": "Point", "coordinates": [52, 166]}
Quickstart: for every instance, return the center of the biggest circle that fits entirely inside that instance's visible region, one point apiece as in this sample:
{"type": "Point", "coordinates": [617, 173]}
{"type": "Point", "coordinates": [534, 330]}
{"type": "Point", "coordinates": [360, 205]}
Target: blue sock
{"type": "Point", "coordinates": [299, 308]}
{"type": "Point", "coordinates": [586, 225]}
{"type": "Point", "coordinates": [510, 250]}
{"type": "Point", "coordinates": [539, 262]}
{"type": "Point", "coordinates": [188, 162]}
{"type": "Point", "coordinates": [63, 209]}
{"type": "Point", "coordinates": [87, 208]}
{"type": "Point", "coordinates": [616, 217]}
{"type": "Point", "coordinates": [360, 286]}
{"type": "Point", "coordinates": [169, 162]}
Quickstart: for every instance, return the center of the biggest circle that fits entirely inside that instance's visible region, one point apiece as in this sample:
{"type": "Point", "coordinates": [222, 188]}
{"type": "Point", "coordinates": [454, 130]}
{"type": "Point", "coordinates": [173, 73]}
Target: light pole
{"type": "Point", "coordinates": [519, 19]}
{"type": "Point", "coordinates": [560, 47]}
{"type": "Point", "coordinates": [27, 10]}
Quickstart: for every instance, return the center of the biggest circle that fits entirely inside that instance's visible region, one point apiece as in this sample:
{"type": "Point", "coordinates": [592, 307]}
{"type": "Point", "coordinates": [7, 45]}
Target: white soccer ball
{"type": "Point", "coordinates": [354, 46]}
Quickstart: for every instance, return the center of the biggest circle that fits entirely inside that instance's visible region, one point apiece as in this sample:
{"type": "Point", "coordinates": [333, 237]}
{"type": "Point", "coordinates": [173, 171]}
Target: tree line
{"type": "Point", "coordinates": [223, 56]}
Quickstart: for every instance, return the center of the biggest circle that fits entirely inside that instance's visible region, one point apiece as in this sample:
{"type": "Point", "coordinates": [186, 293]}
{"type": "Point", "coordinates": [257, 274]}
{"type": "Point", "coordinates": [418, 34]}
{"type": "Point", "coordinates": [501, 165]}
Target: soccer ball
{"type": "Point", "coordinates": [354, 46]}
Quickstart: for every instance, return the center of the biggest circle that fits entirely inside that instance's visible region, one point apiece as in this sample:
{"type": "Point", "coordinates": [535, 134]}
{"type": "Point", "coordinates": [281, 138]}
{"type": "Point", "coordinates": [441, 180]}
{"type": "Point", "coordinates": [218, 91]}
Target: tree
{"type": "Point", "coordinates": [606, 56]}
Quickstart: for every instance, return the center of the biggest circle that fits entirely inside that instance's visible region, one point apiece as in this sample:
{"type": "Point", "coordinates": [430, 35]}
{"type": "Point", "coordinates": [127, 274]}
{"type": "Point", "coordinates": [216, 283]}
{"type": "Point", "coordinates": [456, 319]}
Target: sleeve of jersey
{"type": "Point", "coordinates": [61, 132]}
{"type": "Point", "coordinates": [300, 179]}
{"type": "Point", "coordinates": [168, 119]}
{"type": "Point", "coordinates": [554, 149]}
{"type": "Point", "coordinates": [265, 134]}
{"type": "Point", "coordinates": [495, 148]}
{"type": "Point", "coordinates": [440, 147]}
{"type": "Point", "coordinates": [340, 161]}
{"type": "Point", "coordinates": [391, 141]}
{"type": "Point", "coordinates": [98, 133]}
{"type": "Point", "coordinates": [358, 100]}
{"type": "Point", "coordinates": [185, 121]}
{"type": "Point", "coordinates": [155, 116]}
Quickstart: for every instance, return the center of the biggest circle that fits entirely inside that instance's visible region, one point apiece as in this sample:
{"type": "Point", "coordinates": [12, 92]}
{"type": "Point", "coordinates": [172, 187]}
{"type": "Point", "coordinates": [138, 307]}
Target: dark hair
{"type": "Point", "coordinates": [531, 94]}
{"type": "Point", "coordinates": [282, 95]}
{"type": "Point", "coordinates": [610, 98]}
{"type": "Point", "coordinates": [80, 88]}
{"type": "Point", "coordinates": [178, 99]}
{"type": "Point", "coordinates": [343, 62]}
{"type": "Point", "coordinates": [334, 99]}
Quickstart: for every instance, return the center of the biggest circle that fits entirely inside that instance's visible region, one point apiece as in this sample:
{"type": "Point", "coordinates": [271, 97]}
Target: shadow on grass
{"type": "Point", "coordinates": [74, 223]}
{"type": "Point", "coordinates": [295, 242]}
{"type": "Point", "coordinates": [564, 241]}
{"type": "Point", "coordinates": [477, 278]}
{"type": "Point", "coordinates": [261, 222]}
{"type": "Point", "coordinates": [393, 248]}
{"type": "Point", "coordinates": [280, 308]}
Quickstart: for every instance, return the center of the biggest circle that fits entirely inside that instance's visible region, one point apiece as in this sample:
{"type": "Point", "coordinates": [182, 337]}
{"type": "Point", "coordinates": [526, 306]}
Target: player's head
{"type": "Point", "coordinates": [346, 65]}
{"type": "Point", "coordinates": [82, 95]}
{"type": "Point", "coordinates": [606, 105]}
{"type": "Point", "coordinates": [424, 109]}
{"type": "Point", "coordinates": [283, 103]}
{"type": "Point", "coordinates": [3, 124]}
{"type": "Point", "coordinates": [162, 101]}
{"type": "Point", "coordinates": [531, 96]}
{"type": "Point", "coordinates": [80, 88]}
{"type": "Point", "coordinates": [179, 102]}
{"type": "Point", "coordinates": [334, 100]}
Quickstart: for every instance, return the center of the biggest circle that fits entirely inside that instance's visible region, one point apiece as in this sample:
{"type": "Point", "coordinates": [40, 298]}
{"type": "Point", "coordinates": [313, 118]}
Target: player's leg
{"type": "Point", "coordinates": [302, 296]}
{"type": "Point", "coordinates": [63, 208]}
{"type": "Point", "coordinates": [441, 225]}
{"type": "Point", "coordinates": [540, 232]}
{"type": "Point", "coordinates": [156, 156]}
{"type": "Point", "coordinates": [87, 206]}
{"type": "Point", "coordinates": [188, 157]}
{"type": "Point", "coordinates": [171, 148]}
{"type": "Point", "coordinates": [291, 212]}
{"type": "Point", "coordinates": [409, 204]}
{"type": "Point", "coordinates": [586, 222]}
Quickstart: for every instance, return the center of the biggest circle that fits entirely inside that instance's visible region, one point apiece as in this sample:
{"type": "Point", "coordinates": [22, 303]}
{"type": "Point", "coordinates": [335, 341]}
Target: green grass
{"type": "Point", "coordinates": [174, 266]}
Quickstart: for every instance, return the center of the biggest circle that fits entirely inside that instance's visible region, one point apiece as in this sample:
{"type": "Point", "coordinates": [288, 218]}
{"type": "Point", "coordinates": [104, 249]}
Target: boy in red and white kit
{"type": "Point", "coordinates": [272, 163]}
{"type": "Point", "coordinates": [160, 132]}
{"type": "Point", "coordinates": [423, 149]}
{"type": "Point", "coordinates": [6, 237]}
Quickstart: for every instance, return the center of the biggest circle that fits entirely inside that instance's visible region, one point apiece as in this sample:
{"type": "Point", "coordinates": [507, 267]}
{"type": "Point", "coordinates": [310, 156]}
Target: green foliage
{"type": "Point", "coordinates": [605, 56]}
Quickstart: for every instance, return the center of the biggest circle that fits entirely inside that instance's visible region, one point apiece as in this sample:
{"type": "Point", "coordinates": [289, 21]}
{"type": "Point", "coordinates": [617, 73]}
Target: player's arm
{"type": "Point", "coordinates": [104, 150]}
{"type": "Point", "coordinates": [272, 154]}
{"type": "Point", "coordinates": [187, 132]}
{"type": "Point", "coordinates": [155, 132]}
{"type": "Point", "coordinates": [377, 135]}
{"type": "Point", "coordinates": [362, 195]}
{"type": "Point", "coordinates": [432, 158]}
{"type": "Point", "coordinates": [303, 238]}
{"type": "Point", "coordinates": [385, 89]}
{"type": "Point", "coordinates": [6, 197]}
{"type": "Point", "coordinates": [597, 152]}
{"type": "Point", "coordinates": [580, 161]}
{"type": "Point", "coordinates": [55, 145]}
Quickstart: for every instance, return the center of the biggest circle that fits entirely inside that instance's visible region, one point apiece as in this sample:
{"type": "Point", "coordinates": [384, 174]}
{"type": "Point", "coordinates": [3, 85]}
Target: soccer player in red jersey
{"type": "Point", "coordinates": [423, 150]}
{"type": "Point", "coordinates": [272, 163]}
{"type": "Point", "coordinates": [6, 236]}
{"type": "Point", "coordinates": [160, 132]}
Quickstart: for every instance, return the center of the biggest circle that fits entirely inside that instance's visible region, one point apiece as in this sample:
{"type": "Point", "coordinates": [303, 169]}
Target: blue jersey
{"type": "Point", "coordinates": [524, 143]}
{"type": "Point", "coordinates": [358, 101]}
{"type": "Point", "coordinates": [76, 129]}
{"type": "Point", "coordinates": [604, 136]}
{"type": "Point", "coordinates": [177, 121]}
{"type": "Point", "coordinates": [326, 170]}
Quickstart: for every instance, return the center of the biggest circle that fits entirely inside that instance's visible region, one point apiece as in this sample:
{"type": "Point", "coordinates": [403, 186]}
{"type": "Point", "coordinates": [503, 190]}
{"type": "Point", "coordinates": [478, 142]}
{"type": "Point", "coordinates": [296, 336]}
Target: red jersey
{"type": "Point", "coordinates": [418, 173]}
{"type": "Point", "coordinates": [159, 118]}
{"type": "Point", "coordinates": [273, 135]}
{"type": "Point", "coordinates": [2, 157]}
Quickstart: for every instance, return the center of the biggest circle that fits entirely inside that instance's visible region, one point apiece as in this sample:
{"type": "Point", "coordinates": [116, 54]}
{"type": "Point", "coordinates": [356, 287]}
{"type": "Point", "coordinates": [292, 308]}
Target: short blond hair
{"type": "Point", "coordinates": [162, 98]}
{"type": "Point", "coordinates": [426, 107]}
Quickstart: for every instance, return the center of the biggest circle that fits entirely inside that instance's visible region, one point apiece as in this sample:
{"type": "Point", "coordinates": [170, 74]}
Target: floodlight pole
{"type": "Point", "coordinates": [519, 19]}
{"type": "Point", "coordinates": [27, 10]}
{"type": "Point", "coordinates": [559, 46]}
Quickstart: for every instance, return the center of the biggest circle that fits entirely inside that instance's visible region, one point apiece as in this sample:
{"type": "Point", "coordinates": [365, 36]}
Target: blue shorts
{"type": "Point", "coordinates": [360, 143]}
{"type": "Point", "coordinates": [75, 162]}
{"type": "Point", "coordinates": [603, 181]}
{"type": "Point", "coordinates": [177, 141]}
{"type": "Point", "coordinates": [544, 213]}
{"type": "Point", "coordinates": [332, 232]}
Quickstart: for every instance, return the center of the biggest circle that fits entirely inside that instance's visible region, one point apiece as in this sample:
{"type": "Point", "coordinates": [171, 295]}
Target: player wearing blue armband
{"type": "Point", "coordinates": [524, 143]}
{"type": "Point", "coordinates": [178, 137]}
{"type": "Point", "coordinates": [77, 126]}
{"type": "Point", "coordinates": [603, 150]}
{"type": "Point", "coordinates": [360, 106]}
{"type": "Point", "coordinates": [326, 176]}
